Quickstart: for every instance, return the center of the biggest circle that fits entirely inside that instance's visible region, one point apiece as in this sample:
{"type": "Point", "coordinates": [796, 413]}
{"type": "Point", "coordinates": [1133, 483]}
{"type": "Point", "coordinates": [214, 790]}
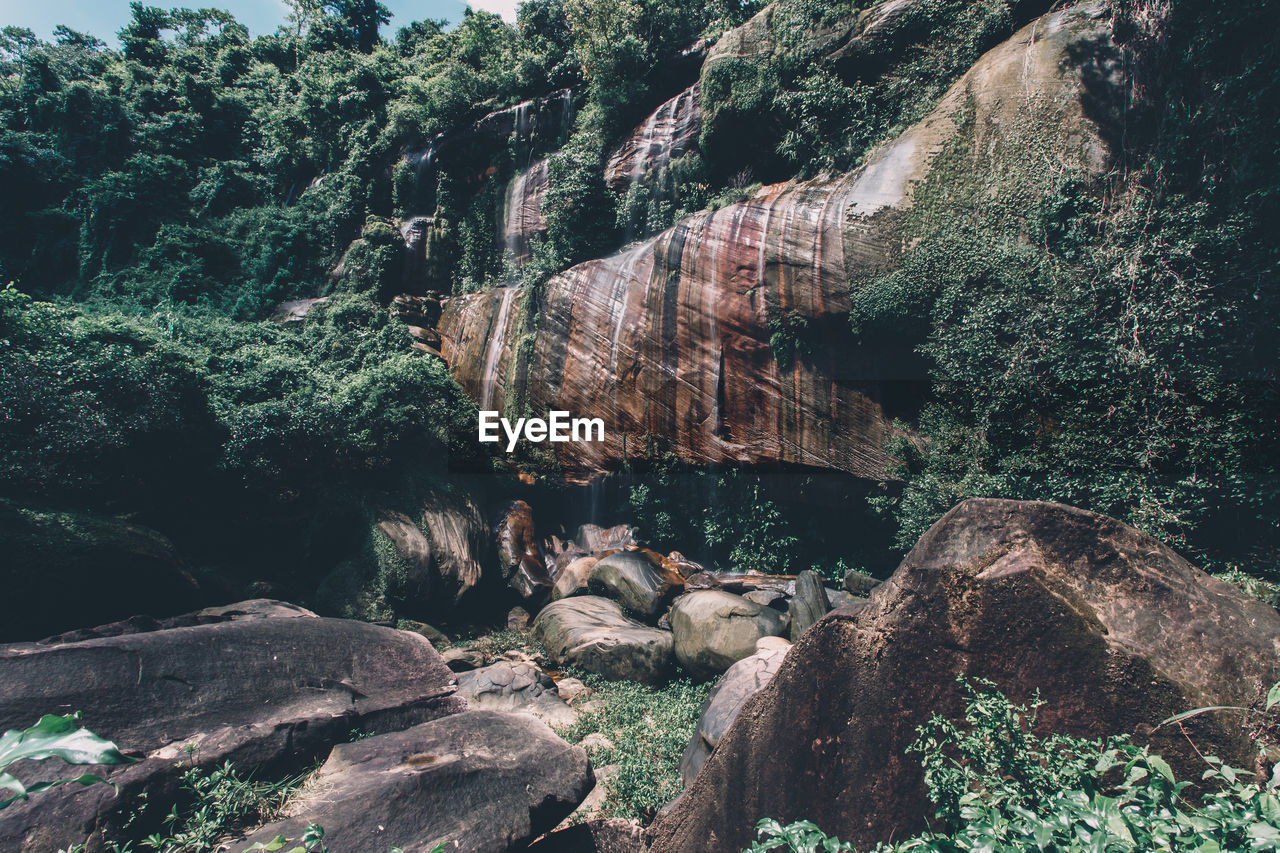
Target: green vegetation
{"type": "Point", "coordinates": [1111, 346]}
{"type": "Point", "coordinates": [52, 737]}
{"type": "Point", "coordinates": [1001, 788]}
{"type": "Point", "coordinates": [213, 804]}
{"type": "Point", "coordinates": [647, 729]}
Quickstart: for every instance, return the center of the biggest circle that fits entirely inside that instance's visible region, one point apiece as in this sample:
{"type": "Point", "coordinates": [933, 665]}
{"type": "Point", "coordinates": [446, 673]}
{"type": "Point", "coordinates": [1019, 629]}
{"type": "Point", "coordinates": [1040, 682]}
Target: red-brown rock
{"type": "Point", "coordinates": [1114, 630]}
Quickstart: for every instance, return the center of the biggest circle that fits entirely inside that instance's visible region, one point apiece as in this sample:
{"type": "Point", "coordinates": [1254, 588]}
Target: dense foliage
{"type": "Point", "coordinates": [1111, 346]}
{"type": "Point", "coordinates": [1001, 788]}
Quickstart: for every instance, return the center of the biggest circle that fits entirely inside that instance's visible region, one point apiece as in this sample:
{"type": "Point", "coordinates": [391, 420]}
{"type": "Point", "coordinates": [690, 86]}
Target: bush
{"type": "Point", "coordinates": [1002, 789]}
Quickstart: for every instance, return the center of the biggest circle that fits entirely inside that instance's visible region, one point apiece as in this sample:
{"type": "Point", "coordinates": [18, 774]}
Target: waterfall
{"type": "Point", "coordinates": [522, 210]}
{"type": "Point", "coordinates": [414, 231]}
{"type": "Point", "coordinates": [494, 347]}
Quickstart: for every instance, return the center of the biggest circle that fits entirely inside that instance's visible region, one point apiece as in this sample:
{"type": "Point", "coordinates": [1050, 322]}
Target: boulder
{"type": "Point", "coordinates": [573, 578]}
{"type": "Point", "coordinates": [68, 570]}
{"type": "Point", "coordinates": [520, 553]}
{"type": "Point", "coordinates": [475, 781]}
{"type": "Point", "coordinates": [809, 604]}
{"type": "Point", "coordinates": [595, 539]}
{"type": "Point", "coordinates": [714, 629]}
{"type": "Point", "coordinates": [739, 683]}
{"type": "Point", "coordinates": [633, 580]}
{"type": "Point", "coordinates": [609, 835]}
{"type": "Point", "coordinates": [592, 633]}
{"type": "Point", "coordinates": [1113, 629]}
{"type": "Point", "coordinates": [859, 583]}
{"type": "Point", "coordinates": [517, 687]}
{"type": "Point", "coordinates": [460, 543]}
{"type": "Point", "coordinates": [268, 693]}
{"type": "Point", "coordinates": [391, 575]}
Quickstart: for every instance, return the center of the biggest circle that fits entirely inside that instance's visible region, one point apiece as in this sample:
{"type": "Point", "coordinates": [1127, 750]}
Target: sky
{"type": "Point", "coordinates": [103, 18]}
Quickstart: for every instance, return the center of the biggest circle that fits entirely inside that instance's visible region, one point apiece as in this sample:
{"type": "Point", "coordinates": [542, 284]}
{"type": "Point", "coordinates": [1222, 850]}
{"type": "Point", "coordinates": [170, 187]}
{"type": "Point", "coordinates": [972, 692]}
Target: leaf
{"type": "Point", "coordinates": [1273, 695]}
{"type": "Point", "coordinates": [58, 737]}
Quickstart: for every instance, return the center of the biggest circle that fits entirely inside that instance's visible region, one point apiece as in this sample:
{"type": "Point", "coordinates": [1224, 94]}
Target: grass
{"type": "Point", "coordinates": [648, 728]}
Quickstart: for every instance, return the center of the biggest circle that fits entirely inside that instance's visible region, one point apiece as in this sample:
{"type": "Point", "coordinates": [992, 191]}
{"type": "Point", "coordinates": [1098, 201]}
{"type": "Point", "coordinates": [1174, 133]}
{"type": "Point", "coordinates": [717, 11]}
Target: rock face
{"type": "Point", "coordinates": [67, 570]}
{"type": "Point", "coordinates": [632, 579]}
{"type": "Point", "coordinates": [476, 781]}
{"type": "Point", "coordinates": [461, 543]}
{"type": "Point", "coordinates": [809, 604]}
{"type": "Point", "coordinates": [591, 632]}
{"type": "Point", "coordinates": [1115, 631]}
{"type": "Point", "coordinates": [264, 692]}
{"type": "Point", "coordinates": [859, 583]}
{"type": "Point", "coordinates": [676, 336]}
{"type": "Point", "coordinates": [519, 553]}
{"type": "Point", "coordinates": [522, 218]}
{"type": "Point", "coordinates": [715, 629]}
{"type": "Point", "coordinates": [740, 682]}
{"type": "Point", "coordinates": [515, 686]}
{"type": "Point", "coordinates": [670, 131]}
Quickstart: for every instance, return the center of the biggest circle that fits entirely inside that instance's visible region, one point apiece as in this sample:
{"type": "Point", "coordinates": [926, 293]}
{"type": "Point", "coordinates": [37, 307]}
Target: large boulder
{"type": "Point", "coordinates": [460, 543]}
{"type": "Point", "coordinates": [573, 578]}
{"type": "Point", "coordinates": [391, 575]}
{"type": "Point", "coordinates": [740, 682]}
{"type": "Point", "coordinates": [595, 539]}
{"type": "Point", "coordinates": [515, 686]}
{"type": "Point", "coordinates": [592, 633]}
{"type": "Point", "coordinates": [262, 692]}
{"type": "Point", "coordinates": [519, 553]}
{"type": "Point", "coordinates": [634, 581]}
{"type": "Point", "coordinates": [715, 629]}
{"type": "Point", "coordinates": [64, 570]}
{"type": "Point", "coordinates": [809, 604]}
{"type": "Point", "coordinates": [478, 781]}
{"type": "Point", "coordinates": [1114, 630]}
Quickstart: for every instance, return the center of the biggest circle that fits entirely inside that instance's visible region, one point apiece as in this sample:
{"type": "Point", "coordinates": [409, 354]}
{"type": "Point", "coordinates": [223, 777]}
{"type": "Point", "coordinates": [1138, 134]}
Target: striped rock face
{"type": "Point", "coordinates": [727, 337]}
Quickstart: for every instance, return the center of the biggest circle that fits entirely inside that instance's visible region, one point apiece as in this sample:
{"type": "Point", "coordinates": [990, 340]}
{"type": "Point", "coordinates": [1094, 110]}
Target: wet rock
{"type": "Point", "coordinates": [1113, 629]}
{"type": "Point", "coordinates": [739, 683]}
{"type": "Point", "coordinates": [592, 633]}
{"type": "Point", "coordinates": [715, 629]}
{"type": "Point", "coordinates": [669, 132]}
{"type": "Point", "coordinates": [859, 583]}
{"type": "Point", "coordinates": [516, 687]}
{"type": "Point", "coordinates": [484, 780]}
{"type": "Point", "coordinates": [520, 553]}
{"type": "Point", "coordinates": [809, 604]}
{"type": "Point", "coordinates": [633, 580]}
{"type": "Point", "coordinates": [460, 544]}
{"type": "Point", "coordinates": [595, 539]}
{"type": "Point", "coordinates": [269, 693]}
{"type": "Point", "coordinates": [573, 579]}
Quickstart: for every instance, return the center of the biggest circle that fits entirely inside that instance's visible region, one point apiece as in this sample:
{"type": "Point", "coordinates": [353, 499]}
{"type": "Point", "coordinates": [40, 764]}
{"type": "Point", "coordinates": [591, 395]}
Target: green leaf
{"type": "Point", "coordinates": [1273, 695]}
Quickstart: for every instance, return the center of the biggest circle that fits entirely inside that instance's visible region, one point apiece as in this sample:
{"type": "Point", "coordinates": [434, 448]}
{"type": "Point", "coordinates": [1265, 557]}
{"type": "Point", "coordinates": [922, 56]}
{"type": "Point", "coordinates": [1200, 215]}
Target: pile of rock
{"type": "Point", "coordinates": [627, 612]}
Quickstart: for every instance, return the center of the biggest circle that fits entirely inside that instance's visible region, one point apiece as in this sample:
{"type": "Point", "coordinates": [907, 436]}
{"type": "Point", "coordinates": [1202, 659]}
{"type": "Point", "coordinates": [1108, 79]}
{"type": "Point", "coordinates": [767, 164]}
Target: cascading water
{"type": "Point", "coordinates": [494, 347]}
{"type": "Point", "coordinates": [522, 211]}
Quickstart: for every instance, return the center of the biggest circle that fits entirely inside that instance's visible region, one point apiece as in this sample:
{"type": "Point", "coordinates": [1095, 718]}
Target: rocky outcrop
{"type": "Point", "coordinates": [635, 582]}
{"type": "Point", "coordinates": [262, 692]}
{"type": "Point", "coordinates": [64, 570]}
{"type": "Point", "coordinates": [739, 683]}
{"type": "Point", "coordinates": [518, 687]}
{"type": "Point", "coordinates": [1114, 630]}
{"type": "Point", "coordinates": [476, 781]}
{"type": "Point", "coordinates": [461, 544]}
{"type": "Point", "coordinates": [669, 132]}
{"type": "Point", "coordinates": [728, 335]}
{"type": "Point", "coordinates": [519, 552]}
{"type": "Point", "coordinates": [573, 577]}
{"type": "Point", "coordinates": [715, 629]}
{"type": "Point", "coordinates": [592, 633]}
{"type": "Point", "coordinates": [809, 604]}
